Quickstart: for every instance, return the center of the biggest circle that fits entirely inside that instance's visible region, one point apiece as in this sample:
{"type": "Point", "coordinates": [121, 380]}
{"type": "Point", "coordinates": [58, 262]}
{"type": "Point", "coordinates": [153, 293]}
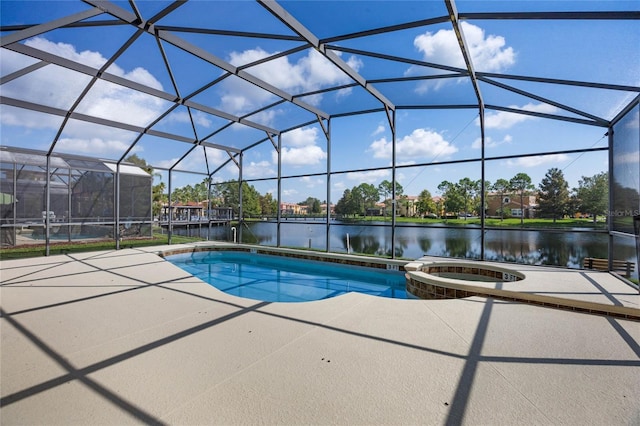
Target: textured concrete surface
{"type": "Point", "coordinates": [579, 290]}
{"type": "Point", "coordinates": [125, 337]}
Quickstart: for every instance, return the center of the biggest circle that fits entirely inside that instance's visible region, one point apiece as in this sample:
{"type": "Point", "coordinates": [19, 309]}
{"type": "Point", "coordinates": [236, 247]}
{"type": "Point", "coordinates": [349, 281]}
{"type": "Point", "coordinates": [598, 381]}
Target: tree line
{"type": "Point", "coordinates": [225, 194]}
{"type": "Point", "coordinates": [554, 198]}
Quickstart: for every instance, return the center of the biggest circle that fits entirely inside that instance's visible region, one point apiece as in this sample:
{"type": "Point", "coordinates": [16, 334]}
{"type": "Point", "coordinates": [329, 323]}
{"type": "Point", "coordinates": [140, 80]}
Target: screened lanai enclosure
{"type": "Point", "coordinates": [77, 202]}
{"type": "Point", "coordinates": [492, 130]}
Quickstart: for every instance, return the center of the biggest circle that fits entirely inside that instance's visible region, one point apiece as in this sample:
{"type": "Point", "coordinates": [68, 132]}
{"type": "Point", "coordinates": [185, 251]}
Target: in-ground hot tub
{"type": "Point", "coordinates": [451, 280]}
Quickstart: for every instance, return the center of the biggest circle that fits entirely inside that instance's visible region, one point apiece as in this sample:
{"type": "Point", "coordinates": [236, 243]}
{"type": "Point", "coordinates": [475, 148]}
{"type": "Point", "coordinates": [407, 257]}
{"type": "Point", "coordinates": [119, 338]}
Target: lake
{"type": "Point", "coordinates": [536, 247]}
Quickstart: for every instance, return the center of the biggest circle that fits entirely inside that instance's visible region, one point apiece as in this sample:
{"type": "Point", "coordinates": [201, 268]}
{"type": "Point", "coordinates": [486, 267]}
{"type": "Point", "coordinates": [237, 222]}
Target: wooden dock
{"type": "Point", "coordinates": [189, 223]}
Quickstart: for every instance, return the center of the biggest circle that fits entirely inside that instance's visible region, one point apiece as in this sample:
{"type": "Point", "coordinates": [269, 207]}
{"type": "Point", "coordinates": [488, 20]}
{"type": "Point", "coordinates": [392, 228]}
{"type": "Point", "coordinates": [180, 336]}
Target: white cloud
{"type": "Point", "coordinates": [215, 156]}
{"type": "Point", "coordinates": [51, 85]}
{"type": "Point", "coordinates": [528, 162]}
{"type": "Point", "coordinates": [199, 118]}
{"type": "Point", "coordinates": [304, 156]}
{"type": "Point", "coordinates": [634, 122]}
{"type": "Point", "coordinates": [353, 62]}
{"type": "Point", "coordinates": [81, 136]}
{"type": "Point", "coordinates": [488, 53]}
{"type": "Point", "coordinates": [165, 164]}
{"type": "Point", "coordinates": [265, 117]}
{"type": "Point", "coordinates": [94, 60]}
{"type": "Point", "coordinates": [240, 97]}
{"type": "Point", "coordinates": [312, 99]}
{"type": "Point", "coordinates": [300, 137]}
{"type": "Point", "coordinates": [343, 93]}
{"type": "Point", "coordinates": [113, 102]}
{"type": "Point", "coordinates": [506, 120]}
{"type": "Point", "coordinates": [421, 143]}
{"type": "Point", "coordinates": [11, 61]}
{"type": "Point", "coordinates": [66, 50]}
{"type": "Point", "coordinates": [490, 143]}
{"type": "Point", "coordinates": [96, 146]}
{"type": "Point", "coordinates": [312, 182]}
{"type": "Point", "coordinates": [289, 193]}
{"type": "Point", "coordinates": [299, 148]}
{"type": "Point", "coordinates": [11, 116]}
{"type": "Point", "coordinates": [258, 170]}
{"type": "Point", "coordinates": [279, 72]}
{"type": "Point", "coordinates": [230, 171]}
{"type": "Point", "coordinates": [309, 73]}
{"type": "Point", "coordinates": [195, 161]}
{"type": "Point", "coordinates": [319, 72]}
{"type": "Point", "coordinates": [378, 130]}
{"type": "Point", "coordinates": [626, 158]}
{"type": "Point", "coordinates": [138, 74]}
{"type": "Point", "coordinates": [179, 117]}
{"type": "Point", "coordinates": [59, 87]}
{"type": "Point", "coordinates": [372, 176]}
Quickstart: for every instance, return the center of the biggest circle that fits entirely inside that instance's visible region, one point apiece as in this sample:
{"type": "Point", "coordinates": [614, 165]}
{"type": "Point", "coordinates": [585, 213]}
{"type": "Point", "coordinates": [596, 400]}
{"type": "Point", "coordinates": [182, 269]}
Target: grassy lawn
{"type": "Point", "coordinates": [77, 247]}
{"type": "Point", "coordinates": [471, 221]}
{"type": "Point", "coordinates": [507, 223]}
{"type": "Point", "coordinates": [531, 223]}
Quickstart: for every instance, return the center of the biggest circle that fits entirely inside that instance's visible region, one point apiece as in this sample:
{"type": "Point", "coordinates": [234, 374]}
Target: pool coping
{"type": "Point", "coordinates": [338, 258]}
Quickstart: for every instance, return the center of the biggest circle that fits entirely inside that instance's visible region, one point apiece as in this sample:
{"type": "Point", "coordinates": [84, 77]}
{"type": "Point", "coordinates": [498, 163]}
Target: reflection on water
{"type": "Point", "coordinates": [516, 246]}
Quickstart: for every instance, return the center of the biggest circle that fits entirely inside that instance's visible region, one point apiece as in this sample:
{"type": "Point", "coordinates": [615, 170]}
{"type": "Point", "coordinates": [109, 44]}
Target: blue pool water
{"type": "Point", "coordinates": [280, 279]}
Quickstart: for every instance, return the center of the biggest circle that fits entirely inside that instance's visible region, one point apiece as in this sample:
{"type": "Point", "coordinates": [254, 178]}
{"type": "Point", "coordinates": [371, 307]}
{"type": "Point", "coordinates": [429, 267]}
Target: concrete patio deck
{"type": "Point", "coordinates": [124, 337]}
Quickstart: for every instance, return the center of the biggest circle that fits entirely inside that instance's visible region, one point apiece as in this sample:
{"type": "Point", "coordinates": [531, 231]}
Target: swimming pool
{"type": "Point", "coordinates": [273, 278]}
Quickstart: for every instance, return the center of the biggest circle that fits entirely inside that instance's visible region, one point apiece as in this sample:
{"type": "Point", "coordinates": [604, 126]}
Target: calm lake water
{"type": "Point", "coordinates": [546, 247]}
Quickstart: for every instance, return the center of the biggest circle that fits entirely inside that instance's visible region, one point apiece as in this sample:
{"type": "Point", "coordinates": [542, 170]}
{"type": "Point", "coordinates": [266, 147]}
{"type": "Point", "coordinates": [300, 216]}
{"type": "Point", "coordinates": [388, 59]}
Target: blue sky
{"type": "Point", "coordinates": [592, 51]}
